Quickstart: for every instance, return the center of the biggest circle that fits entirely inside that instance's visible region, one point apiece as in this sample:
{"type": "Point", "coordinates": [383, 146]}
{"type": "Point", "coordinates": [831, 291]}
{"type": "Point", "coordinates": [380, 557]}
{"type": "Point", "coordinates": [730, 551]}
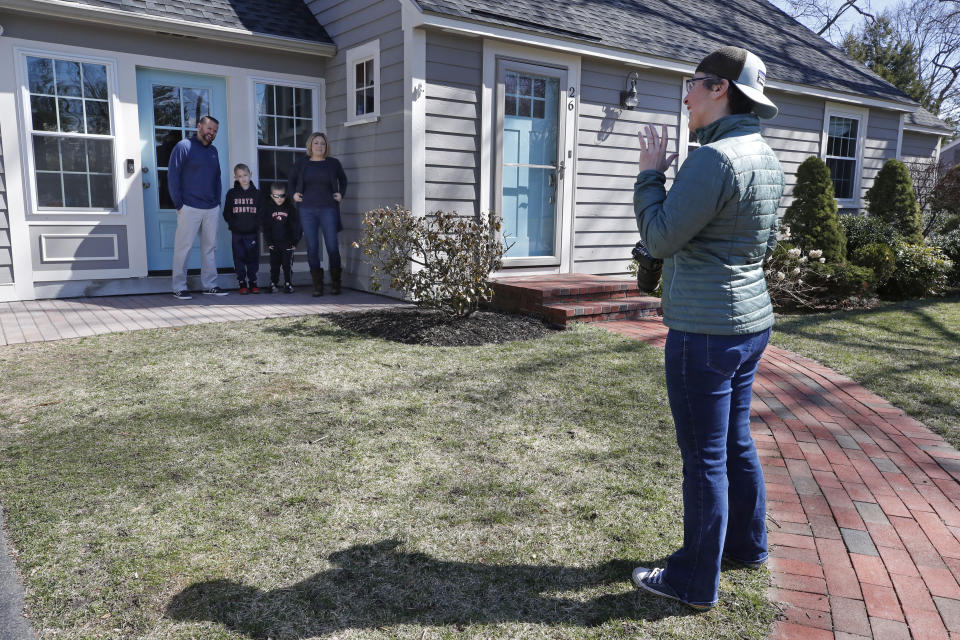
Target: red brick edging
{"type": "Point", "coordinates": [863, 505]}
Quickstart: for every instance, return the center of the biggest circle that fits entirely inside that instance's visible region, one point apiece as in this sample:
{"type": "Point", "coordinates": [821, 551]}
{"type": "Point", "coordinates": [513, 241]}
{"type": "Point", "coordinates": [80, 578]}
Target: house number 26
{"type": "Point", "coordinates": [572, 93]}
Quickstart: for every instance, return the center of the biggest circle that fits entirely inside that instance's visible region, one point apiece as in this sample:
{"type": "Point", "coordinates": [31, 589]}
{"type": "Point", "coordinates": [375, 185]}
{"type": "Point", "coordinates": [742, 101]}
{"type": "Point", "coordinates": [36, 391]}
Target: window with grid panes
{"type": "Point", "coordinates": [524, 96]}
{"type": "Point", "coordinates": [284, 122]}
{"type": "Point", "coordinates": [365, 88]}
{"type": "Point", "coordinates": [71, 134]}
{"type": "Point", "coordinates": [841, 155]}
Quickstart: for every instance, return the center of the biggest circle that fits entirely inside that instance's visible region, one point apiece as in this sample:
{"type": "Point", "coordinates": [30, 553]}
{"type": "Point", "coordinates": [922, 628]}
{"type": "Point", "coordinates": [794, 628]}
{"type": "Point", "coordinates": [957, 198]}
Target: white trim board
{"type": "Point", "coordinates": [414, 113]}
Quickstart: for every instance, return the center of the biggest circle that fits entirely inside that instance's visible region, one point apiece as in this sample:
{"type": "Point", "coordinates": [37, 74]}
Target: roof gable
{"type": "Point", "coordinates": [686, 32]}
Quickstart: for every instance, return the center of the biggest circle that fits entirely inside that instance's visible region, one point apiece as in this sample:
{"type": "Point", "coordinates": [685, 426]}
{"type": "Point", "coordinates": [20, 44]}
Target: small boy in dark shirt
{"type": "Point", "coordinates": [281, 232]}
{"type": "Point", "coordinates": [241, 213]}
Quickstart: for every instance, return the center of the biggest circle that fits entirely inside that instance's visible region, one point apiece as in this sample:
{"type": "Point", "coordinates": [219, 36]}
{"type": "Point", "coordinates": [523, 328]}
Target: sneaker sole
{"type": "Point", "coordinates": [643, 587]}
{"type": "Point", "coordinates": [219, 293]}
{"type": "Point", "coordinates": [183, 297]}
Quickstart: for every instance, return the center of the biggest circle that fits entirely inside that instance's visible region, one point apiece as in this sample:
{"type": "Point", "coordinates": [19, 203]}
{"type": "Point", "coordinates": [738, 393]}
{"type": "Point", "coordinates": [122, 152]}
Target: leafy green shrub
{"type": "Point", "coordinates": [812, 216]}
{"type": "Point", "coordinates": [864, 230]}
{"type": "Point", "coordinates": [441, 261]}
{"type": "Point", "coordinates": [878, 257]}
{"type": "Point", "coordinates": [841, 281]}
{"type": "Point", "coordinates": [921, 271]}
{"type": "Point", "coordinates": [950, 245]}
{"type": "Point", "coordinates": [891, 199]}
{"type": "Point", "coordinates": [946, 200]}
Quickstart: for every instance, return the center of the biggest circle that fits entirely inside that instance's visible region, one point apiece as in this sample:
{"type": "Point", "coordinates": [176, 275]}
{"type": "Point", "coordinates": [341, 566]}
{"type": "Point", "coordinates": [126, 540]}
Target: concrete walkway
{"type": "Point", "coordinates": [863, 505]}
{"type": "Point", "coordinates": [863, 501]}
{"type": "Point", "coordinates": [41, 320]}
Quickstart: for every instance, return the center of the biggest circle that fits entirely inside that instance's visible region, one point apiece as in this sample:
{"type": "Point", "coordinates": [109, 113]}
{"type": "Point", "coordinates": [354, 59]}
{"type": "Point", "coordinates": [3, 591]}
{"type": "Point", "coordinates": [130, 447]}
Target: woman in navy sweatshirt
{"type": "Point", "coordinates": [318, 184]}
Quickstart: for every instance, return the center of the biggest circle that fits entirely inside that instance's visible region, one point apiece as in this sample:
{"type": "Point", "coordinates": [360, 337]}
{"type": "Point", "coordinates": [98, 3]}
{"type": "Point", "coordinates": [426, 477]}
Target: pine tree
{"type": "Point", "coordinates": [812, 217]}
{"type": "Point", "coordinates": [891, 199]}
{"type": "Point", "coordinates": [891, 57]}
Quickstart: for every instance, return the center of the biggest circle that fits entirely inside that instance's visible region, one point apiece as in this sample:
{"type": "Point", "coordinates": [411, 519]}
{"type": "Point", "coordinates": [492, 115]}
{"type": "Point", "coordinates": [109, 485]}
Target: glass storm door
{"type": "Point", "coordinates": [530, 166]}
{"type": "Point", "coordinates": [170, 105]}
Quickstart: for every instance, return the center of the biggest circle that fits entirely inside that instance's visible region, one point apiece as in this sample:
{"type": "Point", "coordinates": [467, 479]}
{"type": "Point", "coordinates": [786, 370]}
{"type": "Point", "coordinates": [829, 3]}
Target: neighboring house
{"type": "Point", "coordinates": [515, 106]}
{"type": "Point", "coordinates": [950, 154]}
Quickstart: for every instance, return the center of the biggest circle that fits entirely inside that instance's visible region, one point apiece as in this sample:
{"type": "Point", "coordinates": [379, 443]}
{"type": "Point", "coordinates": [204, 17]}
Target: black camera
{"type": "Point", "coordinates": [648, 268]}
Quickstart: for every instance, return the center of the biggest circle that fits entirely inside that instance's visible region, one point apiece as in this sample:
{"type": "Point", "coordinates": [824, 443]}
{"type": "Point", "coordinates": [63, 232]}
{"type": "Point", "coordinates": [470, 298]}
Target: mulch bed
{"type": "Point", "coordinates": [432, 328]}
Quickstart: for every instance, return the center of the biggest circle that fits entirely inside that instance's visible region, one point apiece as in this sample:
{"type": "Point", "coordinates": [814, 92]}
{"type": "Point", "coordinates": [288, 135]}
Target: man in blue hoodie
{"type": "Point", "coordinates": [195, 187]}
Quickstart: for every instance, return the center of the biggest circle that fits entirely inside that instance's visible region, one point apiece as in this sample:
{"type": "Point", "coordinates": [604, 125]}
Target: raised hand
{"type": "Point", "coordinates": [653, 150]}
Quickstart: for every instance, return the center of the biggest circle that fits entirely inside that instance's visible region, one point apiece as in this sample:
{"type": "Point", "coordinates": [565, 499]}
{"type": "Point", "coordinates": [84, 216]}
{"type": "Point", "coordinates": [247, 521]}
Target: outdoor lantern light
{"type": "Point", "coordinates": [629, 98]}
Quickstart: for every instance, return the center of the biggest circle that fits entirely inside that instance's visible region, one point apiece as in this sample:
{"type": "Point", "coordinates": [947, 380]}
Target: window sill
{"type": "Point", "coordinates": [848, 204]}
{"type": "Point", "coordinates": [374, 117]}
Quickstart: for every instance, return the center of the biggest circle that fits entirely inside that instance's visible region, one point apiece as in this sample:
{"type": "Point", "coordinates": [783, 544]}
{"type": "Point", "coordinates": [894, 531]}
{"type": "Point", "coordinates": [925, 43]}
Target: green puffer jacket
{"type": "Point", "coordinates": [714, 229]}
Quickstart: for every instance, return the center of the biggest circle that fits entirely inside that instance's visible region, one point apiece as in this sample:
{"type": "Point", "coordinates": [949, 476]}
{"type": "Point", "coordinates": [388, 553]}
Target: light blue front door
{"type": "Point", "coordinates": [170, 105]}
{"type": "Point", "coordinates": [529, 169]}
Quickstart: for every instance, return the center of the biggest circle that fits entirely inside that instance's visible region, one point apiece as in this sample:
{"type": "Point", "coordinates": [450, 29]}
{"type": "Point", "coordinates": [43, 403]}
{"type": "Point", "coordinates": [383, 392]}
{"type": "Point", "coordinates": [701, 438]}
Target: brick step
{"type": "Point", "coordinates": [605, 310]}
{"type": "Point", "coordinates": [528, 294]}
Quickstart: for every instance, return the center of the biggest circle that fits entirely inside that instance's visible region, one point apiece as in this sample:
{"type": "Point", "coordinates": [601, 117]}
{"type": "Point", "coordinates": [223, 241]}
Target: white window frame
{"type": "Point", "coordinates": [26, 133]}
{"type": "Point", "coordinates": [358, 55]}
{"type": "Point", "coordinates": [861, 116]}
{"type": "Point", "coordinates": [319, 118]}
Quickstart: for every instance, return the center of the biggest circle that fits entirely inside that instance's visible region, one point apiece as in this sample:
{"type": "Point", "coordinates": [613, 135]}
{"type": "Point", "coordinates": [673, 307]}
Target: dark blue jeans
{"type": "Point", "coordinates": [710, 385]}
{"type": "Point", "coordinates": [316, 220]}
{"type": "Point", "coordinates": [246, 256]}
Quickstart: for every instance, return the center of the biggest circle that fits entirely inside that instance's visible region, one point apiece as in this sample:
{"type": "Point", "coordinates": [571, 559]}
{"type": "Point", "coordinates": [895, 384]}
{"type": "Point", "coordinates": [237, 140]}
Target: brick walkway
{"type": "Point", "coordinates": [41, 320]}
{"type": "Point", "coordinates": [863, 505]}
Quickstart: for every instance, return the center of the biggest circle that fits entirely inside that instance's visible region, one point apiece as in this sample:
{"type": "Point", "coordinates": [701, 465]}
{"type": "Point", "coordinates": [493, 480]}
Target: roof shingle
{"type": "Point", "coordinates": [282, 18]}
{"type": "Point", "coordinates": [686, 31]}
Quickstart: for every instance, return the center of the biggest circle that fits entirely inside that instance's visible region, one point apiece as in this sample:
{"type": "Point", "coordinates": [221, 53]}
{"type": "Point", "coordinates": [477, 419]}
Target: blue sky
{"type": "Point", "coordinates": [851, 17]}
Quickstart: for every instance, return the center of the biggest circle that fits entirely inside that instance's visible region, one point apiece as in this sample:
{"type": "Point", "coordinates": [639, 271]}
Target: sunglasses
{"type": "Point", "coordinates": [278, 195]}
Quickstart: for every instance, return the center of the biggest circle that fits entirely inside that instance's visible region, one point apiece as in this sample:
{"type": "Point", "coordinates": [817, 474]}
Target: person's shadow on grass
{"type": "Point", "coordinates": [373, 586]}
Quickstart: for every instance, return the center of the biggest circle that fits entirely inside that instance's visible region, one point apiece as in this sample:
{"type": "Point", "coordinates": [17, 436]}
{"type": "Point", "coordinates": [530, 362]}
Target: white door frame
{"type": "Point", "coordinates": [491, 142]}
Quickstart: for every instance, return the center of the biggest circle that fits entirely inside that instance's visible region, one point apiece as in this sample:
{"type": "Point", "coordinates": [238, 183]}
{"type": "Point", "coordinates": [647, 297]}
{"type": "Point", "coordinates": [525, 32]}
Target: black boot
{"type": "Point", "coordinates": [335, 281]}
{"type": "Point", "coordinates": [317, 275]}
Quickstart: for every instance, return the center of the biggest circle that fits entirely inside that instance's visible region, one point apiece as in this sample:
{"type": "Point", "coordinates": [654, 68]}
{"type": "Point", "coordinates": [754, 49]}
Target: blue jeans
{"type": "Point", "coordinates": [710, 385]}
{"type": "Point", "coordinates": [326, 220]}
{"type": "Point", "coordinates": [246, 256]}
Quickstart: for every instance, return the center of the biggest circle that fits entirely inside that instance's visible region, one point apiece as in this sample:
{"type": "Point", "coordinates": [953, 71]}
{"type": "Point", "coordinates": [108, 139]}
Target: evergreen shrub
{"type": "Point", "coordinates": [839, 282]}
{"type": "Point", "coordinates": [864, 230]}
{"type": "Point", "coordinates": [892, 199]}
{"type": "Point", "coordinates": [812, 216]}
{"type": "Point", "coordinates": [950, 245]}
{"type": "Point", "coordinates": [878, 257]}
{"type": "Point", "coordinates": [921, 271]}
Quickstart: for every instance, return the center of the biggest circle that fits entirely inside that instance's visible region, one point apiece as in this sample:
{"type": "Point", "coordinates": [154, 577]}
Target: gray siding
{"type": "Point", "coordinates": [95, 36]}
{"type": "Point", "coordinates": [372, 154]}
{"type": "Point", "coordinates": [794, 135]}
{"type": "Point", "coordinates": [454, 77]}
{"type": "Point", "coordinates": [881, 145]}
{"type": "Point", "coordinates": [919, 147]}
{"type": "Point", "coordinates": [6, 261]}
{"type": "Point", "coordinates": [604, 225]}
